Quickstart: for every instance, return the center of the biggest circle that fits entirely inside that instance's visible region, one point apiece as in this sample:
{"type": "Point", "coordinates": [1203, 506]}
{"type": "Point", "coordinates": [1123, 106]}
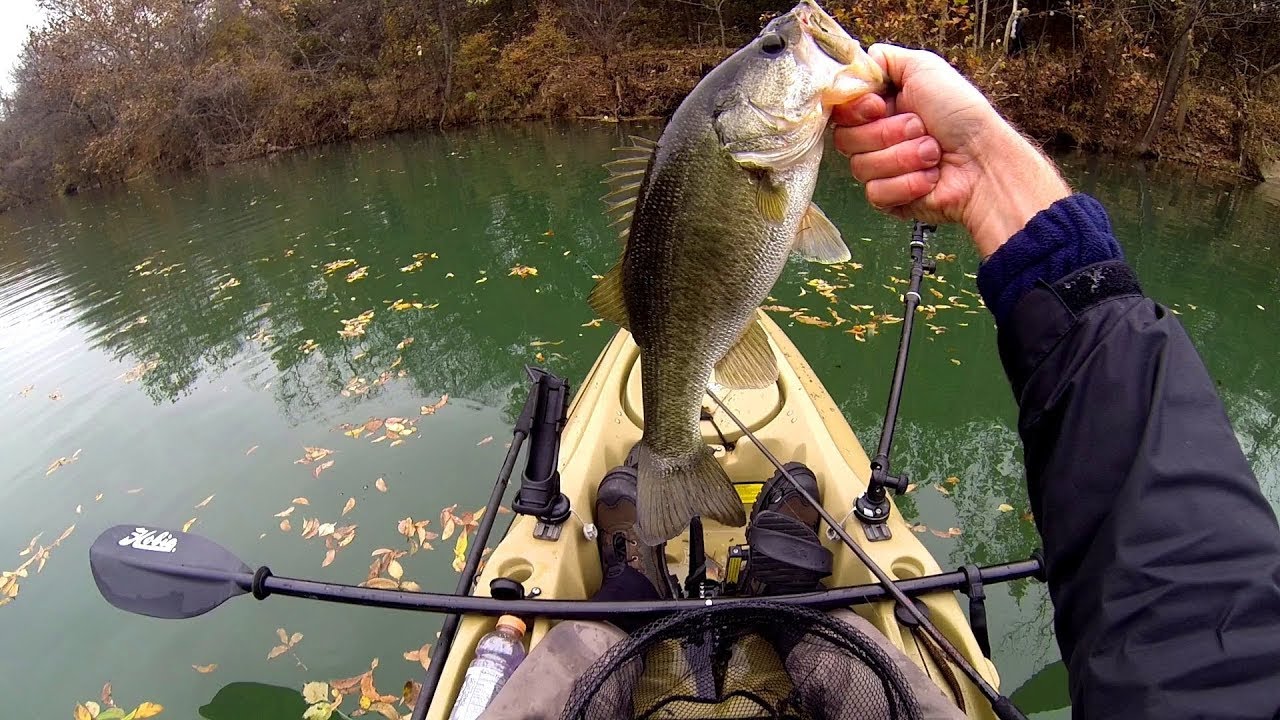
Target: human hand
{"type": "Point", "coordinates": [939, 152]}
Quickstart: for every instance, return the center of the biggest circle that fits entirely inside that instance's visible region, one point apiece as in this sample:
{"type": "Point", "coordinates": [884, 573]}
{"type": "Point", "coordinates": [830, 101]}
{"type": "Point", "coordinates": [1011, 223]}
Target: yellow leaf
{"type": "Point", "coordinates": [955, 361]}
{"type": "Point", "coordinates": [460, 552]}
{"type": "Point", "coordinates": [381, 583]}
{"type": "Point", "coordinates": [449, 527]}
{"type": "Point", "coordinates": [380, 484]}
{"type": "Point", "coordinates": [1005, 507]}
{"type": "Point", "coordinates": [351, 503]}
{"type": "Point", "coordinates": [482, 280]}
{"type": "Point", "coordinates": [315, 692]}
{"type": "Point", "coordinates": [953, 480]}
{"type": "Point", "coordinates": [395, 570]}
{"type": "Point", "coordinates": [93, 708]}
{"type": "Point", "coordinates": [147, 709]}
{"type": "Point", "coordinates": [411, 586]}
{"type": "Point", "coordinates": [187, 525]}
{"type": "Point", "coordinates": [354, 432]}
{"type": "Point", "coordinates": [322, 467]}
{"type": "Point", "coordinates": [318, 711]}
{"type": "Point", "coordinates": [300, 501]}
{"type": "Point", "coordinates": [82, 713]}
{"type": "Point", "coordinates": [205, 669]}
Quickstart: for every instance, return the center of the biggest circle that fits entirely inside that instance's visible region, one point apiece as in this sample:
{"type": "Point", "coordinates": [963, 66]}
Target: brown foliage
{"type": "Point", "coordinates": [111, 89]}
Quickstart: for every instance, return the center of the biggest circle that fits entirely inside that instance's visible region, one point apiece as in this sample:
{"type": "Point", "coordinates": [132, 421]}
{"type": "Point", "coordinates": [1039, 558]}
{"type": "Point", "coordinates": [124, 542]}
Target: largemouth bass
{"type": "Point", "coordinates": [709, 214]}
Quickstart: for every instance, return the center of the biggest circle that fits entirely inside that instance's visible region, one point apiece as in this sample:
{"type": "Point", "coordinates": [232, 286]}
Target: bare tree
{"type": "Point", "coordinates": [601, 25]}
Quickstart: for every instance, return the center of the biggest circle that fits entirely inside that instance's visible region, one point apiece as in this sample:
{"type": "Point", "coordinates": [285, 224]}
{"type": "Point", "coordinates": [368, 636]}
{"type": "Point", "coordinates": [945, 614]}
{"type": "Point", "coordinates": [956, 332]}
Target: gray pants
{"type": "Point", "coordinates": [540, 687]}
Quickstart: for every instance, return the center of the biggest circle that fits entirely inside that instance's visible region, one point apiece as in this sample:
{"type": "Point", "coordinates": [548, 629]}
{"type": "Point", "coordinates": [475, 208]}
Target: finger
{"type": "Point", "coordinates": [860, 111]}
{"type": "Point", "coordinates": [898, 62]}
{"type": "Point", "coordinates": [900, 159]}
{"type": "Point", "coordinates": [901, 190]}
{"type": "Point", "coordinates": [879, 134]}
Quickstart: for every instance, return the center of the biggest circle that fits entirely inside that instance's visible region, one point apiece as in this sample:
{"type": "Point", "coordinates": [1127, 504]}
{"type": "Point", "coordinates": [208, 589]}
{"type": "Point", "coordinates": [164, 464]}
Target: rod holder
{"type": "Point", "coordinates": [539, 494]}
{"type": "Point", "coordinates": [872, 507]}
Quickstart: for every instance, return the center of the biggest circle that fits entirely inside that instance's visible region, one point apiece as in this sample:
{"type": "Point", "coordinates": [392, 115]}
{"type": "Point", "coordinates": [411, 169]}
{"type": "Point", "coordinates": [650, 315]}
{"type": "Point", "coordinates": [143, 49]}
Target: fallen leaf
{"type": "Point", "coordinates": [911, 487]}
{"type": "Point", "coordinates": [404, 343]}
{"type": "Point", "coordinates": [277, 651]}
{"type": "Point", "coordinates": [97, 498]}
{"type": "Point", "coordinates": [314, 692]}
{"type": "Point", "coordinates": [594, 323]}
{"type": "Point", "coordinates": [321, 468]}
{"type": "Point", "coordinates": [523, 271]}
{"type": "Point", "coordinates": [1005, 507]}
{"type": "Point", "coordinates": [487, 439]}
{"type": "Point", "coordinates": [351, 503]}
{"type": "Point", "coordinates": [328, 557]}
{"type": "Point", "coordinates": [147, 710]}
{"type": "Point", "coordinates": [300, 501]}
{"type": "Point", "coordinates": [205, 669]}
{"type": "Point", "coordinates": [354, 432]}
{"type": "Point", "coordinates": [395, 570]}
{"type": "Point", "coordinates": [318, 711]}
{"type": "Point", "coordinates": [953, 480]}
{"type": "Point", "coordinates": [421, 655]}
{"type": "Point", "coordinates": [186, 526]}
{"type": "Point", "coordinates": [133, 491]}
{"type": "Point", "coordinates": [358, 274]}
{"type": "Point", "coordinates": [941, 489]}
{"type": "Point", "coordinates": [380, 484]}
{"type": "Point", "coordinates": [106, 695]}
{"type": "Point", "coordinates": [1260, 308]}
{"type": "Point", "coordinates": [384, 709]}
{"type": "Point", "coordinates": [482, 280]}
{"type": "Point", "coordinates": [325, 529]}
{"type": "Point", "coordinates": [286, 512]}
{"type": "Point", "coordinates": [82, 713]}
{"type": "Point", "coordinates": [285, 526]}
{"type": "Point", "coordinates": [955, 361]}
{"type": "Point", "coordinates": [204, 502]}
{"type": "Point", "coordinates": [460, 552]}
{"type": "Point", "coordinates": [250, 450]}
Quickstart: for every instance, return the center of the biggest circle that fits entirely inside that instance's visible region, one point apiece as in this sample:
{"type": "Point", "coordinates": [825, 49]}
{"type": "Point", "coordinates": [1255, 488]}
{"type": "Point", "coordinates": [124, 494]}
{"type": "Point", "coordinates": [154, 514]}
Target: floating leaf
{"type": "Point", "coordinates": [953, 480]}
{"type": "Point", "coordinates": [250, 450]}
{"type": "Point", "coordinates": [333, 267]}
{"type": "Point", "coordinates": [460, 552]}
{"type": "Point", "coordinates": [911, 487]}
{"type": "Point", "coordinates": [277, 651]}
{"type": "Point", "coordinates": [380, 583]}
{"type": "Point", "coordinates": [1005, 507]}
{"type": "Point", "coordinates": [593, 322]}
{"type": "Point", "coordinates": [358, 274]}
{"type": "Point", "coordinates": [318, 711]}
{"type": "Point", "coordinates": [326, 529]}
{"type": "Point", "coordinates": [300, 501]}
{"type": "Point", "coordinates": [523, 271]}
{"type": "Point", "coordinates": [328, 557]}
{"type": "Point", "coordinates": [106, 695]}
{"type": "Point", "coordinates": [351, 503]}
{"type": "Point", "coordinates": [380, 484]}
{"type": "Point", "coordinates": [204, 502]}
{"type": "Point", "coordinates": [314, 692]}
{"type": "Point", "coordinates": [285, 526]}
{"type": "Point", "coordinates": [205, 669]}
{"type": "Point", "coordinates": [286, 512]}
{"type": "Point", "coordinates": [82, 713]}
{"type": "Point", "coordinates": [941, 489]}
{"type": "Point", "coordinates": [186, 526]}
{"type": "Point", "coordinates": [395, 570]}
{"type": "Point", "coordinates": [483, 280]}
{"type": "Point", "coordinates": [147, 710]}
{"type": "Point", "coordinates": [404, 343]}
{"type": "Point", "coordinates": [485, 441]}
{"type": "Point", "coordinates": [955, 361]}
{"type": "Point", "coordinates": [321, 468]}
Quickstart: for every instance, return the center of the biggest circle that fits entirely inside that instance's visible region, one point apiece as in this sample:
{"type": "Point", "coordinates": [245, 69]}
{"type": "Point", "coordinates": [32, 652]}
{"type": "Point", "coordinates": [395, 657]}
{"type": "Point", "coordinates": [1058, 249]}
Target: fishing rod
{"type": "Point", "coordinates": [176, 575]}
{"type": "Point", "coordinates": [1001, 705]}
{"type": "Point", "coordinates": [872, 507]}
{"type": "Point", "coordinates": [541, 420]}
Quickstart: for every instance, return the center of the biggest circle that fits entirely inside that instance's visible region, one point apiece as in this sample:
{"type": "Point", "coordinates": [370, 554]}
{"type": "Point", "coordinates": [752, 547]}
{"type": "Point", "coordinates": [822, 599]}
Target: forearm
{"type": "Point", "coordinates": [1163, 557]}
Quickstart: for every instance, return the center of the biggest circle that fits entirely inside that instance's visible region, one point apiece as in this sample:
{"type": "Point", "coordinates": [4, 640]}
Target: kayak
{"type": "Point", "coordinates": [798, 421]}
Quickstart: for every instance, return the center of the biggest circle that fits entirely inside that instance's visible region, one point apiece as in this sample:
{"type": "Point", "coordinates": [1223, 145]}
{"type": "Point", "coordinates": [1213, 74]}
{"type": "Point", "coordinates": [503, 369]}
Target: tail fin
{"type": "Point", "coordinates": [673, 492]}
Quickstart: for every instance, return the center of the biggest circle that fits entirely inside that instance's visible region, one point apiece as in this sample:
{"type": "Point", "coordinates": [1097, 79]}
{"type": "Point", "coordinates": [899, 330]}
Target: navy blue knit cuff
{"type": "Point", "coordinates": [1064, 237]}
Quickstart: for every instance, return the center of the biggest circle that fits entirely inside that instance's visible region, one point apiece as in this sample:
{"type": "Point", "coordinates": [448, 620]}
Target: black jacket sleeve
{"type": "Point", "coordinates": [1163, 556]}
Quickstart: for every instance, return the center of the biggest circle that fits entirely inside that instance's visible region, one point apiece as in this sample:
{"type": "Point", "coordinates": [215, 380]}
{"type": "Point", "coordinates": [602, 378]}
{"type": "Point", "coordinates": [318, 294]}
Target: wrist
{"type": "Point", "coordinates": [1015, 181]}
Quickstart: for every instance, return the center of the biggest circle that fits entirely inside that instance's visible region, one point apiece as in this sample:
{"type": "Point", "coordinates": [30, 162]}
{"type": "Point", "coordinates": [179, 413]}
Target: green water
{"type": "Point", "coordinates": [226, 375]}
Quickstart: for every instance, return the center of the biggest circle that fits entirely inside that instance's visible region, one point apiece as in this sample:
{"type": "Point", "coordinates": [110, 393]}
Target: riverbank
{"type": "Point", "coordinates": [197, 84]}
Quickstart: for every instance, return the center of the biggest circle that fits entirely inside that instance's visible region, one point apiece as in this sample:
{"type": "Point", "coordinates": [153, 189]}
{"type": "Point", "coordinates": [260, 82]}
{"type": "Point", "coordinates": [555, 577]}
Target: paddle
{"type": "Point", "coordinates": [165, 573]}
{"type": "Point", "coordinates": [174, 575]}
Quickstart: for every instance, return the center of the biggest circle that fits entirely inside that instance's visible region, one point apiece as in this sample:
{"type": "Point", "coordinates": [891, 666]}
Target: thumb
{"type": "Point", "coordinates": [898, 62]}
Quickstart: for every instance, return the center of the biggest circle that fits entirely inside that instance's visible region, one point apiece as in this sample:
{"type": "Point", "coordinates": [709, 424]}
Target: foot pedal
{"type": "Point", "coordinates": [786, 556]}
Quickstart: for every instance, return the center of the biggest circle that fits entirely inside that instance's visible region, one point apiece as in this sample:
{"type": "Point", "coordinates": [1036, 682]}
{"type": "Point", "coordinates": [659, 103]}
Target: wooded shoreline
{"type": "Point", "coordinates": [113, 89]}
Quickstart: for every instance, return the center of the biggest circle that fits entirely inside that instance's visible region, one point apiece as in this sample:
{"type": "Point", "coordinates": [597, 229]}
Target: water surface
{"type": "Point", "coordinates": [179, 339]}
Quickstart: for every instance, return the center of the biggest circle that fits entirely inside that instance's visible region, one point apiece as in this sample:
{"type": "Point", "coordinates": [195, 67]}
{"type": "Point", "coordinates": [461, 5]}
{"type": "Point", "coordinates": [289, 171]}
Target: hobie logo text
{"type": "Point", "coordinates": [153, 540]}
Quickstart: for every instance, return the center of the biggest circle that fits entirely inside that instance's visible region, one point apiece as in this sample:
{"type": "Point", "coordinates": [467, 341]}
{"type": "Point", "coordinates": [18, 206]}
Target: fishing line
{"type": "Point", "coordinates": [1002, 706]}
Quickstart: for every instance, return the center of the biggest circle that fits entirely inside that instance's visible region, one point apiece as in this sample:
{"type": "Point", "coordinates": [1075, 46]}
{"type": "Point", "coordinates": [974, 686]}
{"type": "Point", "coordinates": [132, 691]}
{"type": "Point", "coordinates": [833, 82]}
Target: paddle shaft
{"type": "Point", "coordinates": [1003, 708]}
{"type": "Point", "coordinates": [440, 653]}
{"type": "Point", "coordinates": [607, 610]}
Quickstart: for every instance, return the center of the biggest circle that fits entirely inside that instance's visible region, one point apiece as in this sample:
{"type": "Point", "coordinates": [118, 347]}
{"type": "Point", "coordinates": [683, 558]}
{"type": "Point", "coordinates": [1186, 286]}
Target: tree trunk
{"type": "Point", "coordinates": [446, 36]}
{"type": "Point", "coordinates": [1173, 75]}
{"type": "Point", "coordinates": [1008, 27]}
{"type": "Point", "coordinates": [982, 25]}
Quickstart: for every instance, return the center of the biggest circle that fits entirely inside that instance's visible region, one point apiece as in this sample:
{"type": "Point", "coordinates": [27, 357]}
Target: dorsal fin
{"type": "Point", "coordinates": [626, 175]}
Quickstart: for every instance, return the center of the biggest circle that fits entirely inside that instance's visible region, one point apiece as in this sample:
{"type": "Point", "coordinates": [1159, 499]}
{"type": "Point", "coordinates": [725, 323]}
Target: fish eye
{"type": "Point", "coordinates": [772, 43]}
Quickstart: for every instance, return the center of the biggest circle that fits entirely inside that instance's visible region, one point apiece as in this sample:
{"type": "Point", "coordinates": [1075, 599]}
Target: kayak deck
{"type": "Point", "coordinates": [798, 421]}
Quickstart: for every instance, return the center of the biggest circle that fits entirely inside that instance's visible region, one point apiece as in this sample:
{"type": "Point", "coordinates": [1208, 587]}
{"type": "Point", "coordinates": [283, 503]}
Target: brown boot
{"type": "Point", "coordinates": [618, 542]}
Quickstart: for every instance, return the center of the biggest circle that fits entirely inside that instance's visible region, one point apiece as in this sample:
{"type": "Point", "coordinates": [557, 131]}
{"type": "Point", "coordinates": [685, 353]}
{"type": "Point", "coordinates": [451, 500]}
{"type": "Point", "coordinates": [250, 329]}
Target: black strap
{"type": "Point", "coordinates": [977, 607]}
{"type": "Point", "coordinates": [798, 551]}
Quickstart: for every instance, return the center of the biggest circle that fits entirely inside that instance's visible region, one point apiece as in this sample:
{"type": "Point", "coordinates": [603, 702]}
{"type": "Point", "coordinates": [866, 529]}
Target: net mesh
{"type": "Point", "coordinates": [756, 660]}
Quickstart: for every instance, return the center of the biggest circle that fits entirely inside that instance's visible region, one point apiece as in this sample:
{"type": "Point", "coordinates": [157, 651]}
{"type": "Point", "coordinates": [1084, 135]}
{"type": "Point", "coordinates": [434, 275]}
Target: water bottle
{"type": "Point", "coordinates": [497, 655]}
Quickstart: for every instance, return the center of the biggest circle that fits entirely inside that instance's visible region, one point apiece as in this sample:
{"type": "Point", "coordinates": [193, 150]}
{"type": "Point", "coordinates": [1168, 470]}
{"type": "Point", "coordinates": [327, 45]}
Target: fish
{"type": "Point", "coordinates": [709, 215]}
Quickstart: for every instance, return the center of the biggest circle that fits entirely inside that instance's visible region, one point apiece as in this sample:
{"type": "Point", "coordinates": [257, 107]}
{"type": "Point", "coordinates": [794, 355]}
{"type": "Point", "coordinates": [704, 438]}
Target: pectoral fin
{"type": "Point", "coordinates": [771, 199]}
{"type": "Point", "coordinates": [606, 297]}
{"type": "Point", "coordinates": [819, 240]}
{"type": "Point", "coordinates": [749, 363]}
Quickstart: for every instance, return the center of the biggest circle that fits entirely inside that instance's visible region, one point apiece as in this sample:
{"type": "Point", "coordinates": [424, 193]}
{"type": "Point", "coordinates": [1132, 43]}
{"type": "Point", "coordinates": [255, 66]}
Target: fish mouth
{"type": "Point", "coordinates": [860, 74]}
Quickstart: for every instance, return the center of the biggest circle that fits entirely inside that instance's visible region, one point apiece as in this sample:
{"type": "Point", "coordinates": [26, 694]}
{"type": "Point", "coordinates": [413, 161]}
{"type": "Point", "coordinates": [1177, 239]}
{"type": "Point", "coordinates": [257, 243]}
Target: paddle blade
{"type": "Point", "coordinates": [165, 573]}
